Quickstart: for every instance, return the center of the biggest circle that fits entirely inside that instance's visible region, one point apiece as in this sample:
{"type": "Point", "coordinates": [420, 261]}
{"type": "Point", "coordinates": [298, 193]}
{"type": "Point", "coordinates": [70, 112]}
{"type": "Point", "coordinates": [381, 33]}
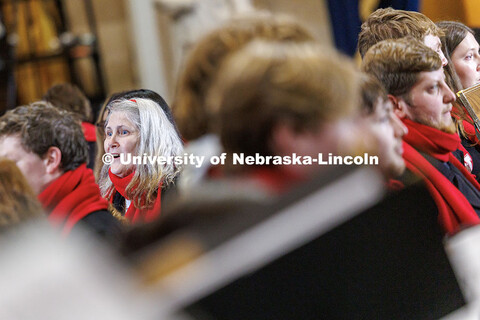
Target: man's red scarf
{"type": "Point", "coordinates": [134, 214]}
{"type": "Point", "coordinates": [454, 209]}
{"type": "Point", "coordinates": [71, 197]}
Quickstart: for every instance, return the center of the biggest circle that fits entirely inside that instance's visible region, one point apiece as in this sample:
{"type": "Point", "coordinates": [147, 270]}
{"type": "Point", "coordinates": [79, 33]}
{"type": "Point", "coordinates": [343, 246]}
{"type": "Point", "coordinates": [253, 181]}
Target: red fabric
{"type": "Point", "coordinates": [454, 209]}
{"type": "Point", "coordinates": [432, 141]}
{"type": "Point", "coordinates": [395, 185]}
{"type": "Point", "coordinates": [134, 214]}
{"type": "Point", "coordinates": [89, 132]}
{"type": "Point", "coordinates": [72, 197]}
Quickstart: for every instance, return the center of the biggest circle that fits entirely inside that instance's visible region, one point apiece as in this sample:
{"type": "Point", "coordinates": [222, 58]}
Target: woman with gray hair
{"type": "Point", "coordinates": [140, 145]}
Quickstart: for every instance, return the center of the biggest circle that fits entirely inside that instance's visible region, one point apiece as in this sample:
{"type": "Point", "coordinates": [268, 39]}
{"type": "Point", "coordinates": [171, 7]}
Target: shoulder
{"type": "Point", "coordinates": [104, 224]}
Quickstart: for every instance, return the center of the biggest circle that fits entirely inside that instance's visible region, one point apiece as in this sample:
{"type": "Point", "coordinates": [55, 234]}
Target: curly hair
{"type": "Point", "coordinates": [41, 126]}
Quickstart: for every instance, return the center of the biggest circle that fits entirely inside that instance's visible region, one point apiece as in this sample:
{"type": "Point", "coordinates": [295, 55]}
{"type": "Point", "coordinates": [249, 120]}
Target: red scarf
{"type": "Point", "coordinates": [89, 132]}
{"type": "Point", "coordinates": [454, 209]}
{"type": "Point", "coordinates": [134, 214]}
{"type": "Point", "coordinates": [72, 197]}
{"type": "Point", "coordinates": [394, 185]}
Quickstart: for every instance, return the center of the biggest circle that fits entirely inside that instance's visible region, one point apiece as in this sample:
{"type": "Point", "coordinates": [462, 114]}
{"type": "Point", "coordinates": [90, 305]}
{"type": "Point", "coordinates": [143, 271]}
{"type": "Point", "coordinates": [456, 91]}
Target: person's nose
{"type": "Point", "coordinates": [113, 141]}
{"type": "Point", "coordinates": [449, 96]}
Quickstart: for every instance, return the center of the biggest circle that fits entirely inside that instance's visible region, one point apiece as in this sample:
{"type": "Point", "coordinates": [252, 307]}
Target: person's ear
{"type": "Point", "coordinates": [52, 160]}
{"type": "Point", "coordinates": [399, 106]}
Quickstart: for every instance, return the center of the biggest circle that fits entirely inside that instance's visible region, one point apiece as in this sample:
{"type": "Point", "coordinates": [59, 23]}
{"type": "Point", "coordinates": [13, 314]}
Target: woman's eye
{"type": "Point", "coordinates": [124, 132]}
{"type": "Point", "coordinates": [468, 57]}
{"type": "Point", "coordinates": [108, 134]}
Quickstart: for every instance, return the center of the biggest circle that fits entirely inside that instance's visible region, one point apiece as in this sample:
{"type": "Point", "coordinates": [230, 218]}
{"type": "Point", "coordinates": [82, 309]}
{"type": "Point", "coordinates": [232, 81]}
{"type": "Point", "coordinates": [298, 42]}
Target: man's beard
{"type": "Point", "coordinates": [450, 128]}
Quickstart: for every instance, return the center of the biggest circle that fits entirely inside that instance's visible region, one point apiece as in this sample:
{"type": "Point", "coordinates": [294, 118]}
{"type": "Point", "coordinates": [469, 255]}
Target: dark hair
{"type": "Point", "coordinates": [69, 97]}
{"type": "Point", "coordinates": [41, 126]}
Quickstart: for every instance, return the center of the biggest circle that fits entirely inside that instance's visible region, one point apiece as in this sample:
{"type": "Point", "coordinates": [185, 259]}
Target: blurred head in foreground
{"type": "Point", "coordinates": [385, 127]}
{"type": "Point", "coordinates": [204, 61]}
{"type": "Point", "coordinates": [276, 99]}
{"type": "Point", "coordinates": [18, 202]}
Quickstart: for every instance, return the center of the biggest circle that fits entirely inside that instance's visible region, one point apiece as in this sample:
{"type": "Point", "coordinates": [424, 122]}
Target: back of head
{"type": "Point", "coordinates": [389, 23]}
{"type": "Point", "coordinates": [41, 126]}
{"type": "Point", "coordinates": [396, 63]}
{"type": "Point", "coordinates": [207, 55]}
{"type": "Point", "coordinates": [302, 85]}
{"type": "Point", "coordinates": [69, 97]}
{"type": "Point", "coordinates": [18, 202]}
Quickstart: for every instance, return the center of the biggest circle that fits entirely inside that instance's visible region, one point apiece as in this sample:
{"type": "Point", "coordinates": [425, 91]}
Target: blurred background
{"type": "Point", "coordinates": [106, 46]}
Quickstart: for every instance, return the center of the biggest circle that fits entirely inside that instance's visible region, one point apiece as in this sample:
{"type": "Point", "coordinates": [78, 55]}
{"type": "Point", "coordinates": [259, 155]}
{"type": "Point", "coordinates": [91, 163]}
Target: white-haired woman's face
{"type": "Point", "coordinates": [121, 138]}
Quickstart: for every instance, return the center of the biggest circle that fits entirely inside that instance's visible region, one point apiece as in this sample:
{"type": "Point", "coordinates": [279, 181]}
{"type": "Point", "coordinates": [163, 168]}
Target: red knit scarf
{"type": "Point", "coordinates": [134, 214]}
{"type": "Point", "coordinates": [454, 209]}
{"type": "Point", "coordinates": [72, 197]}
{"type": "Point", "coordinates": [89, 132]}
